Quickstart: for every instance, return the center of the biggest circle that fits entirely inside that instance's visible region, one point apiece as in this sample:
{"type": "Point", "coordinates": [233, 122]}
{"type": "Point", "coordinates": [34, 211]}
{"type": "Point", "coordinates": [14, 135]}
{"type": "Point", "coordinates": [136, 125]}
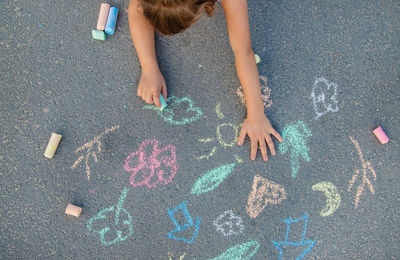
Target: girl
{"type": "Point", "coordinates": [173, 16]}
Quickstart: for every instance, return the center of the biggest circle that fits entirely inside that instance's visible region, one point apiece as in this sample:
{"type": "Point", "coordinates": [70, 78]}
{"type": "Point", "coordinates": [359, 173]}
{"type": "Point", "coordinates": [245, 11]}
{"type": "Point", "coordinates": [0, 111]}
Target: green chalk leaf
{"type": "Point", "coordinates": [240, 252]}
{"type": "Point", "coordinates": [212, 179]}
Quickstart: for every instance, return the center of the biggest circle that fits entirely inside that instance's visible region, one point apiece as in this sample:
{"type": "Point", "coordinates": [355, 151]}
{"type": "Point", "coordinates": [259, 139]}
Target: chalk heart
{"type": "Point", "coordinates": [263, 192]}
{"type": "Point", "coordinates": [111, 231]}
{"type": "Point", "coordinates": [151, 165]}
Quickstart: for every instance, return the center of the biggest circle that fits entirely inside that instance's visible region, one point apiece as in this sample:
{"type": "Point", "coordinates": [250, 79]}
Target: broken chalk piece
{"type": "Point", "coordinates": [73, 210]}
{"type": "Point", "coordinates": [380, 134]}
{"type": "Point", "coordinates": [111, 20]}
{"type": "Point", "coordinates": [257, 58]}
{"type": "Point", "coordinates": [52, 145]}
{"type": "Point", "coordinates": [103, 15]}
{"type": "Point", "coordinates": [163, 102]}
{"type": "Point", "coordinates": [98, 35]}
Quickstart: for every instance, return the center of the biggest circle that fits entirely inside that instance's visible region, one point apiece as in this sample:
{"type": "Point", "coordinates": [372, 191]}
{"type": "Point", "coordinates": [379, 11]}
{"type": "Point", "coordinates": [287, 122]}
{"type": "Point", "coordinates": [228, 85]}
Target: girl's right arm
{"type": "Point", "coordinates": [152, 81]}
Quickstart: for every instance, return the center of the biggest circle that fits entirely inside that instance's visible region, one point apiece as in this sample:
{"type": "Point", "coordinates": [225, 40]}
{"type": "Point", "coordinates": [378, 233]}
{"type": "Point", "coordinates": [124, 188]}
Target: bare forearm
{"type": "Point", "coordinates": [143, 37]}
{"type": "Point", "coordinates": [249, 78]}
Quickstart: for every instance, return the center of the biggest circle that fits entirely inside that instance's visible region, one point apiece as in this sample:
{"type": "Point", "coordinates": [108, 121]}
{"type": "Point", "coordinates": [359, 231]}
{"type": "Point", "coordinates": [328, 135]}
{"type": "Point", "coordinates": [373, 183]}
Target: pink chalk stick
{"type": "Point", "coordinates": [73, 210]}
{"type": "Point", "coordinates": [103, 15]}
{"type": "Point", "coordinates": [380, 134]}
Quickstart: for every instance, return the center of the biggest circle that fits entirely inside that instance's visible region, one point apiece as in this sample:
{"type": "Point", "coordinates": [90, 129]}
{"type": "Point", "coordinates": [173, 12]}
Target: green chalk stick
{"type": "Point", "coordinates": [163, 102]}
{"type": "Point", "coordinates": [98, 35]}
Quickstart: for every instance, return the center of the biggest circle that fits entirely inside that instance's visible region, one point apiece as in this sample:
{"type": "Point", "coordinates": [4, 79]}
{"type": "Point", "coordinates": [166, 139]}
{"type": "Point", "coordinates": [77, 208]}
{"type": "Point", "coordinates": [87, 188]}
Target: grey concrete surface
{"type": "Point", "coordinates": [56, 78]}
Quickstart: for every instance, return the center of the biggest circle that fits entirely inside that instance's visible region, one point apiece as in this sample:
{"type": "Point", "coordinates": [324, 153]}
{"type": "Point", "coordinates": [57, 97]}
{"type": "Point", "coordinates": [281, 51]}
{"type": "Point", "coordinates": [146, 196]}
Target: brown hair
{"type": "Point", "coordinates": [173, 16]}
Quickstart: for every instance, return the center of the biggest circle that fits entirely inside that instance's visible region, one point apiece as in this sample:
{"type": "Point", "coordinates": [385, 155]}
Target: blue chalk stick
{"type": "Point", "coordinates": [163, 102]}
{"type": "Point", "coordinates": [111, 20]}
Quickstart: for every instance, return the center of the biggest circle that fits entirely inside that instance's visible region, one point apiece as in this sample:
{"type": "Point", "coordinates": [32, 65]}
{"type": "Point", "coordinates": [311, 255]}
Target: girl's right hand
{"type": "Point", "coordinates": [151, 84]}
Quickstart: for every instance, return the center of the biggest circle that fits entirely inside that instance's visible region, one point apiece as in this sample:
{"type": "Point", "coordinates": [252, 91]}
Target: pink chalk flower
{"type": "Point", "coordinates": [151, 165]}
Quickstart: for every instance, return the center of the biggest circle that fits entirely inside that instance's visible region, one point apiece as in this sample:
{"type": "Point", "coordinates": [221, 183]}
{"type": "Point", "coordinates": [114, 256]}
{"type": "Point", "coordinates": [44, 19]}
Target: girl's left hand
{"type": "Point", "coordinates": [259, 130]}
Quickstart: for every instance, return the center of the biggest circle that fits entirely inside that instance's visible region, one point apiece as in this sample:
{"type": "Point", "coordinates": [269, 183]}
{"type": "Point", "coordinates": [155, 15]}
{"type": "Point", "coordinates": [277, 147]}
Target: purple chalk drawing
{"type": "Point", "coordinates": [151, 165]}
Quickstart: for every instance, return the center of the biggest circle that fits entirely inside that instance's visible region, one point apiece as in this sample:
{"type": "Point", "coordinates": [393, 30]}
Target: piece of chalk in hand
{"type": "Point", "coordinates": [103, 15]}
{"type": "Point", "coordinates": [380, 134]}
{"type": "Point", "coordinates": [52, 145]}
{"type": "Point", "coordinates": [98, 35]}
{"type": "Point", "coordinates": [257, 58]}
{"type": "Point", "coordinates": [111, 20]}
{"type": "Point", "coordinates": [73, 210]}
{"type": "Point", "coordinates": [163, 102]}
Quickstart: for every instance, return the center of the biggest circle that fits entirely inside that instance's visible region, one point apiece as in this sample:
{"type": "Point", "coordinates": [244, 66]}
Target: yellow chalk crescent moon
{"type": "Point", "coordinates": [332, 197]}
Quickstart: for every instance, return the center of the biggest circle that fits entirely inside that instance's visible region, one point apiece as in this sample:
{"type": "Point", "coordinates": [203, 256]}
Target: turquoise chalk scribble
{"type": "Point", "coordinates": [101, 216]}
{"type": "Point", "coordinates": [212, 179]}
{"type": "Point", "coordinates": [294, 140]}
{"type": "Point", "coordinates": [168, 114]}
{"type": "Point", "coordinates": [243, 251]}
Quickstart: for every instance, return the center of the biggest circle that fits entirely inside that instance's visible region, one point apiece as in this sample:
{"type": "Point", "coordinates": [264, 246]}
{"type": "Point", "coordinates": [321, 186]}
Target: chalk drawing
{"type": "Point", "coordinates": [212, 179]}
{"type": "Point", "coordinates": [219, 136]}
{"type": "Point", "coordinates": [265, 93]}
{"type": "Point", "coordinates": [151, 165]}
{"type": "Point", "coordinates": [294, 140]}
{"type": "Point", "coordinates": [263, 192]}
{"type": "Point", "coordinates": [171, 256]}
{"type": "Point", "coordinates": [324, 96]}
{"type": "Point", "coordinates": [229, 224]}
{"type": "Point", "coordinates": [333, 199]}
{"type": "Point", "coordinates": [365, 167]}
{"type": "Point", "coordinates": [189, 225]}
{"type": "Point", "coordinates": [89, 152]}
{"type": "Point", "coordinates": [168, 114]}
{"type": "Point", "coordinates": [303, 242]}
{"type": "Point", "coordinates": [112, 231]}
{"type": "Point", "coordinates": [243, 251]}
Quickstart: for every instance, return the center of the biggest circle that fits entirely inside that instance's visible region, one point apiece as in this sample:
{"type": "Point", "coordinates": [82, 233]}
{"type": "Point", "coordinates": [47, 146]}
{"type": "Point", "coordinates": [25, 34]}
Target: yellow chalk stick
{"type": "Point", "coordinates": [73, 210]}
{"type": "Point", "coordinates": [52, 146]}
{"type": "Point", "coordinates": [257, 58]}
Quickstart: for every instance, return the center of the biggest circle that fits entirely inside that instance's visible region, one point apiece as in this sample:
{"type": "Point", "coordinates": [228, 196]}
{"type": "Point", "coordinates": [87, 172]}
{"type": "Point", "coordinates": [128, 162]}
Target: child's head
{"type": "Point", "coordinates": [173, 16]}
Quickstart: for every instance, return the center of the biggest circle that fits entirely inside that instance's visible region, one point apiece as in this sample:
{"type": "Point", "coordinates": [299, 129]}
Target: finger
{"type": "Point", "coordinates": [164, 92]}
{"type": "Point", "coordinates": [270, 144]}
{"type": "Point", "coordinates": [149, 99]}
{"type": "Point", "coordinates": [263, 149]}
{"type": "Point", "coordinates": [277, 136]}
{"type": "Point", "coordinates": [253, 152]}
{"type": "Point", "coordinates": [156, 98]}
{"type": "Point", "coordinates": [139, 92]}
{"type": "Point", "coordinates": [242, 136]}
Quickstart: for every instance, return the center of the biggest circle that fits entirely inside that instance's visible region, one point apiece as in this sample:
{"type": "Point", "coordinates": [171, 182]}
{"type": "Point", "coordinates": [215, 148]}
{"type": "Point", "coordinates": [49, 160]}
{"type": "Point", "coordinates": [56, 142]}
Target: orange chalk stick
{"type": "Point", "coordinates": [103, 15]}
{"type": "Point", "coordinates": [52, 145]}
{"type": "Point", "coordinates": [380, 134]}
{"type": "Point", "coordinates": [73, 210]}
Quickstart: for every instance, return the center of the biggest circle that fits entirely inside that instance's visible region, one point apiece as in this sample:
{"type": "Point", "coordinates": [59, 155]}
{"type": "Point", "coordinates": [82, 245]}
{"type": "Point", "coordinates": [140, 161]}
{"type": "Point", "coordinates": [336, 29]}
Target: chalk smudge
{"type": "Point", "coordinates": [229, 224]}
{"type": "Point", "coordinates": [151, 165]}
{"type": "Point", "coordinates": [365, 167]}
{"type": "Point", "coordinates": [265, 93]}
{"type": "Point", "coordinates": [171, 256]}
{"type": "Point", "coordinates": [303, 242]}
{"type": "Point", "coordinates": [212, 179]}
{"type": "Point", "coordinates": [324, 96]}
{"type": "Point", "coordinates": [89, 152]}
{"type": "Point", "coordinates": [333, 199]}
{"type": "Point", "coordinates": [263, 192]}
{"type": "Point", "coordinates": [182, 228]}
{"type": "Point", "coordinates": [294, 140]}
{"type": "Point", "coordinates": [106, 232]}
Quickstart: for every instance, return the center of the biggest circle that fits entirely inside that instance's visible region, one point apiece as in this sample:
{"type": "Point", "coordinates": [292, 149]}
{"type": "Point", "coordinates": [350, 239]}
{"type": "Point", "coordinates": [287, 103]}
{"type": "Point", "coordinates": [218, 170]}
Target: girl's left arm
{"type": "Point", "coordinates": [256, 125]}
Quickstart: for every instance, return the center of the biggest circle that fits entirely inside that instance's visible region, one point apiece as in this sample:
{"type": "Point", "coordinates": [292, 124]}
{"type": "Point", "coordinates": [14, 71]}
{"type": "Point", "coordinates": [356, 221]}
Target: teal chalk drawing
{"type": "Point", "coordinates": [106, 230]}
{"type": "Point", "coordinates": [294, 141]}
{"type": "Point", "coordinates": [168, 114]}
{"type": "Point", "coordinates": [303, 242]}
{"type": "Point", "coordinates": [243, 251]}
{"type": "Point", "coordinates": [212, 179]}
